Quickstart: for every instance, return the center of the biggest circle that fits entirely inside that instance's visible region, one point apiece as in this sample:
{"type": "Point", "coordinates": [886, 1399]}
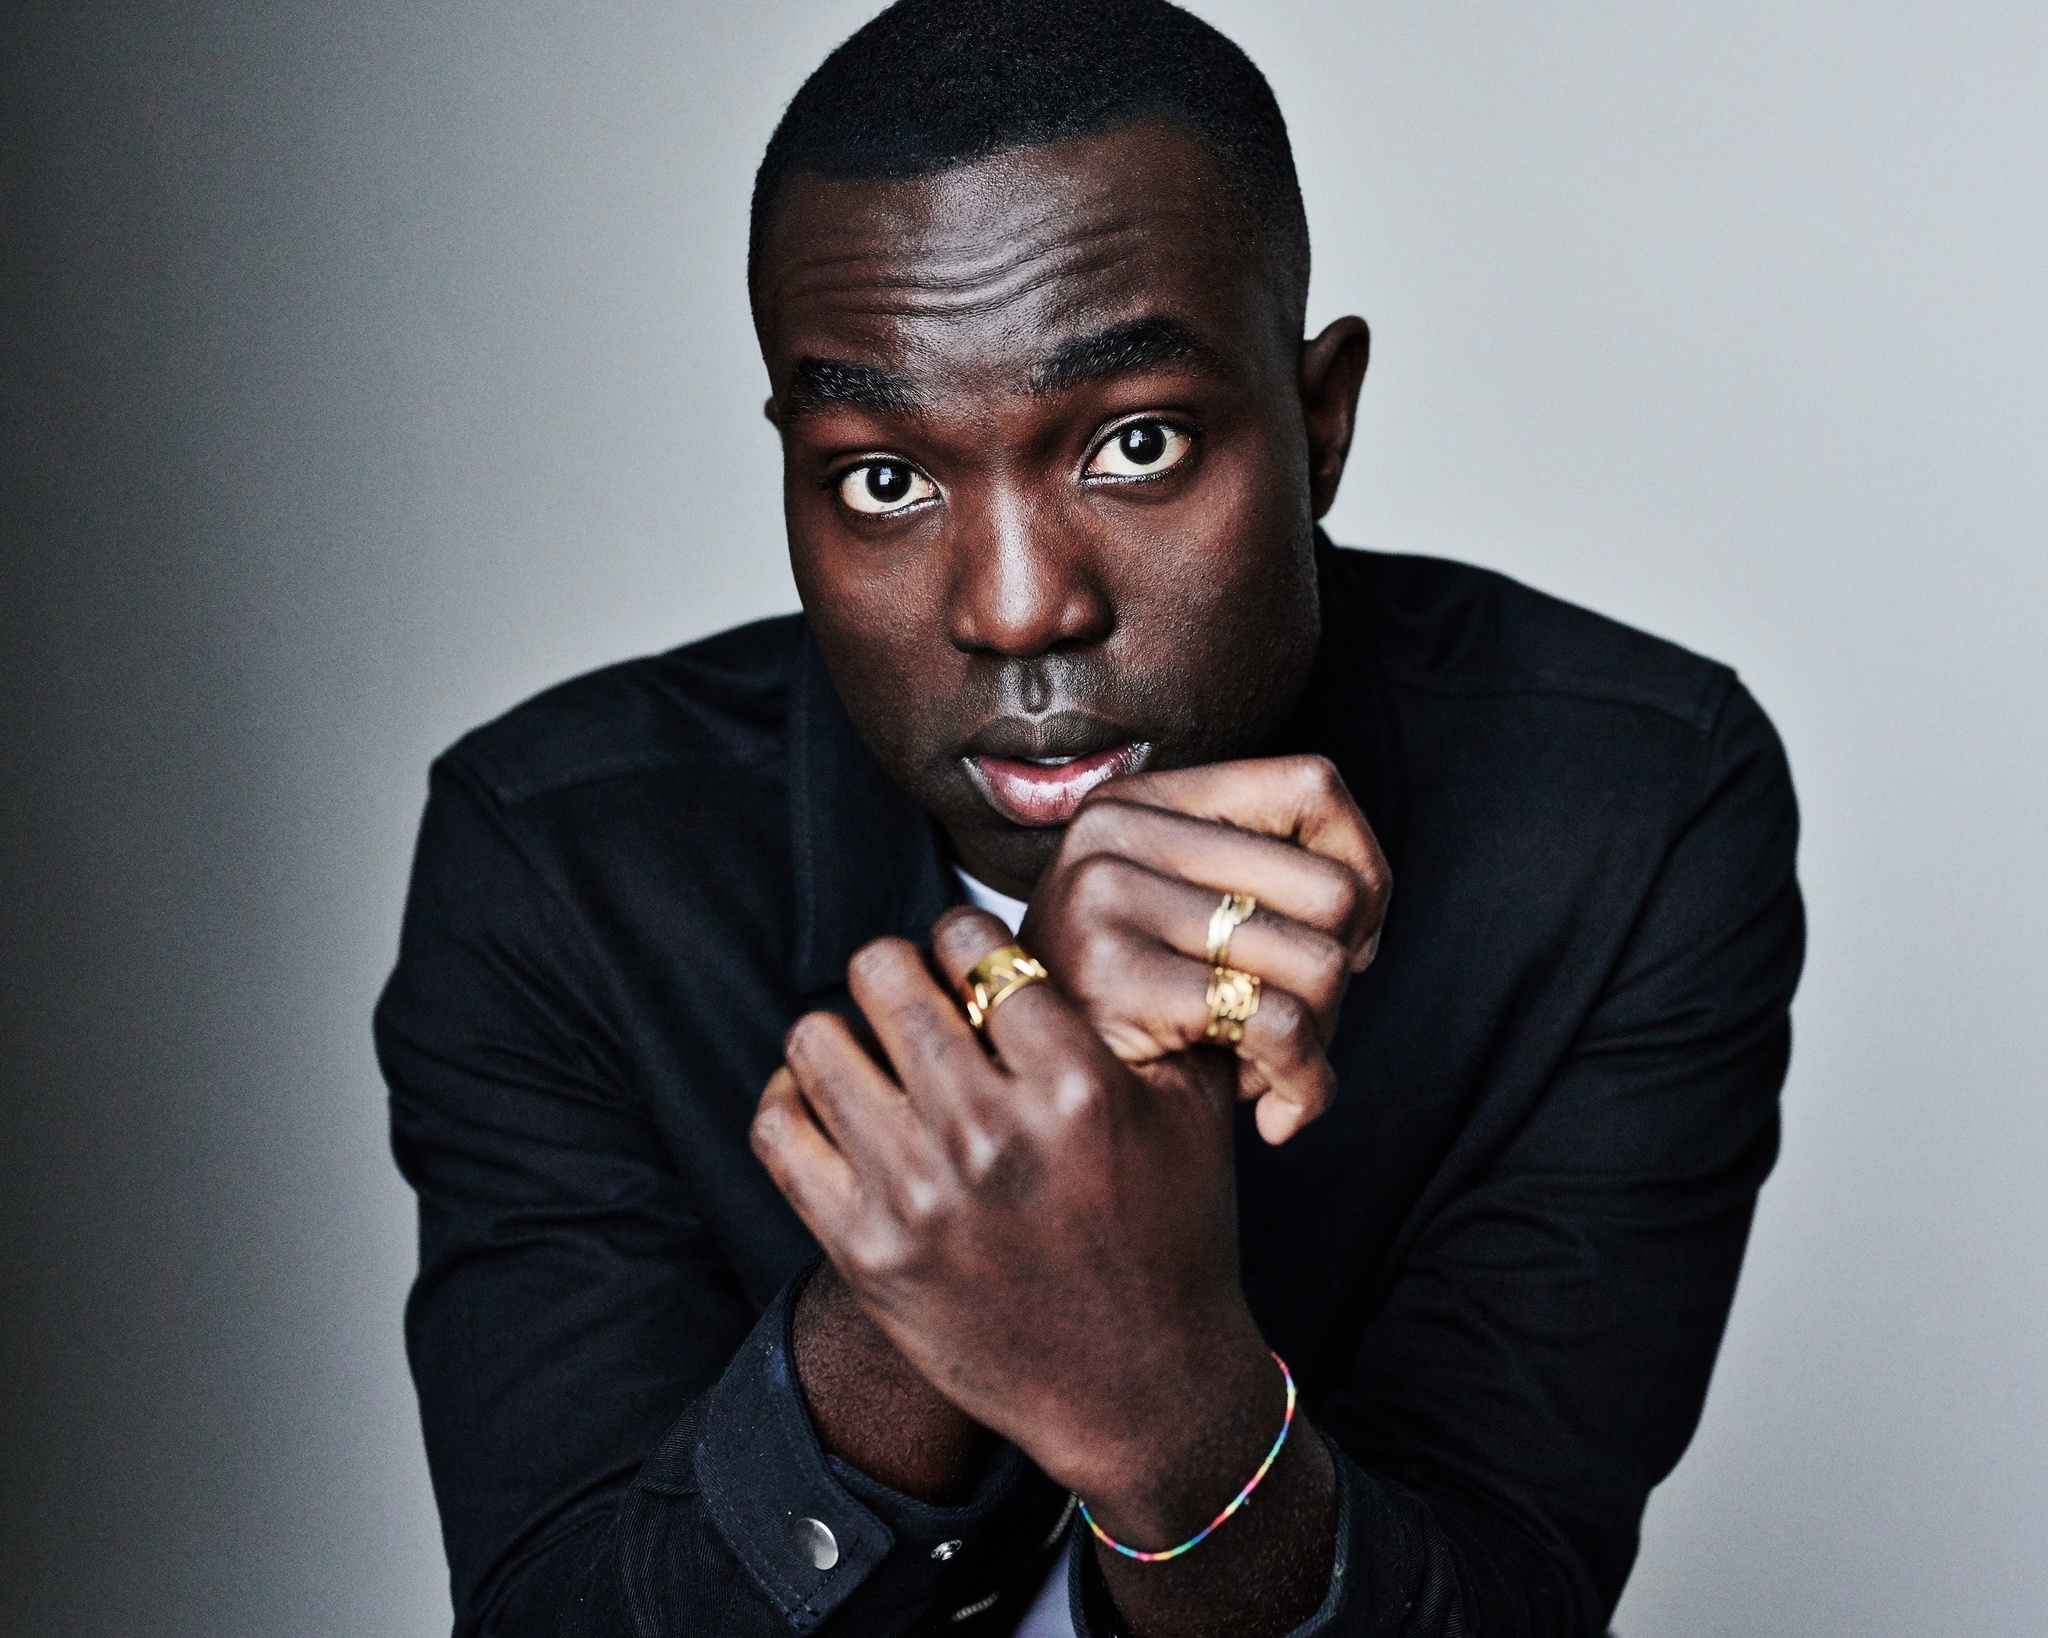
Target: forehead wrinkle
{"type": "Point", "coordinates": [936, 227]}
{"type": "Point", "coordinates": [866, 283]}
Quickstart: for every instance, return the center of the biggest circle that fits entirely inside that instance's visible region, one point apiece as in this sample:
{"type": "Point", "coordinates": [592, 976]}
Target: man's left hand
{"type": "Point", "coordinates": [1122, 915]}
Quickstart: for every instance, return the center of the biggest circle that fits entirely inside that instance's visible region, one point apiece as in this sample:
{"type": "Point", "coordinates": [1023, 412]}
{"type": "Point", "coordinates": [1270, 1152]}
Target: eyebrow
{"type": "Point", "coordinates": [1136, 344]}
{"type": "Point", "coordinates": [816, 383]}
{"type": "Point", "coordinates": [1121, 349]}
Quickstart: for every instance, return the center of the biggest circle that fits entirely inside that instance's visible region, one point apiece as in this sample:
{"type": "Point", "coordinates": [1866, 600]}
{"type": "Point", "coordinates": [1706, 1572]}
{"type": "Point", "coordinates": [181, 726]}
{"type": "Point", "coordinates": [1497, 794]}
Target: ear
{"type": "Point", "coordinates": [1332, 370]}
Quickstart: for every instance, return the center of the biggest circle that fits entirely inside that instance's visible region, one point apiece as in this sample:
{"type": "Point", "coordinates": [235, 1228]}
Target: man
{"type": "Point", "coordinates": [1358, 1263]}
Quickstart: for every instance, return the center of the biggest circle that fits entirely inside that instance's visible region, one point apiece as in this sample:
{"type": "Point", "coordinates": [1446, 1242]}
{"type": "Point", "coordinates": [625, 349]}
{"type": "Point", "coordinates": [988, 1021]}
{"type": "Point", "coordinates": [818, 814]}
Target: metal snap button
{"type": "Point", "coordinates": [945, 1550]}
{"type": "Point", "coordinates": [814, 1539]}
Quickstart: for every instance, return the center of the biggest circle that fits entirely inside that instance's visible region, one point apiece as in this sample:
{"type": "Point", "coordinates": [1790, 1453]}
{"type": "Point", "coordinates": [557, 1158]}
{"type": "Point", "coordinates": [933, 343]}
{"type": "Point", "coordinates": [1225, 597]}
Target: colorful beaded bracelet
{"type": "Point", "coordinates": [1238, 1501]}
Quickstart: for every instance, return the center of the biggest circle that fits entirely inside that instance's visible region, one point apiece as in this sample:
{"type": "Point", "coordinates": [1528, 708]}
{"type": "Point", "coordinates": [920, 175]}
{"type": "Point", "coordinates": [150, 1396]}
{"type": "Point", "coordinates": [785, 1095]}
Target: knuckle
{"type": "Point", "coordinates": [1347, 897]}
{"type": "Point", "coordinates": [1330, 965]}
{"type": "Point", "coordinates": [1074, 1092]}
{"type": "Point", "coordinates": [1100, 882]}
{"type": "Point", "coordinates": [1319, 776]}
{"type": "Point", "coordinates": [767, 1133]}
{"type": "Point", "coordinates": [979, 1150]}
{"type": "Point", "coordinates": [875, 1251]}
{"type": "Point", "coordinates": [1097, 960]}
{"type": "Point", "coordinates": [1332, 899]}
{"type": "Point", "coordinates": [921, 1203]}
{"type": "Point", "coordinates": [1288, 1013]}
{"type": "Point", "coordinates": [990, 1158]}
{"type": "Point", "coordinates": [961, 931]}
{"type": "Point", "coordinates": [938, 1046]}
{"type": "Point", "coordinates": [1096, 826]}
{"type": "Point", "coordinates": [874, 960]}
{"type": "Point", "coordinates": [805, 1037]}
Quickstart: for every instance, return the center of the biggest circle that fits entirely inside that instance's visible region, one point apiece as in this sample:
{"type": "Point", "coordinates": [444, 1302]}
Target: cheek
{"type": "Point", "coordinates": [878, 613]}
{"type": "Point", "coordinates": [1230, 561]}
{"type": "Point", "coordinates": [1218, 607]}
{"type": "Point", "coordinates": [866, 595]}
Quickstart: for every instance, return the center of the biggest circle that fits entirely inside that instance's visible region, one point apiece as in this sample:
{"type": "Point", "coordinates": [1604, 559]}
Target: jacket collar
{"type": "Point", "coordinates": [1343, 712]}
{"type": "Point", "coordinates": [866, 857]}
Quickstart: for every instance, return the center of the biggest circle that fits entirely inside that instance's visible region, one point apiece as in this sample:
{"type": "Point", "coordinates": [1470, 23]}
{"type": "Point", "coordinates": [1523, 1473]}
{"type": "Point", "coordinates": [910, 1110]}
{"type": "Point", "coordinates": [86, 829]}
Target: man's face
{"type": "Point", "coordinates": [1047, 474]}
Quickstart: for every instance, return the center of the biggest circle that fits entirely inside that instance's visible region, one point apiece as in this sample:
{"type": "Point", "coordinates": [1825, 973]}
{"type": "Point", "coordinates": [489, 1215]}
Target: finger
{"type": "Point", "coordinates": [1301, 799]}
{"type": "Point", "coordinates": [1308, 887]}
{"type": "Point", "coordinates": [1281, 1064]}
{"type": "Point", "coordinates": [934, 1050]}
{"type": "Point", "coordinates": [813, 1176]}
{"type": "Point", "coordinates": [1115, 902]}
{"type": "Point", "coordinates": [1147, 1002]}
{"type": "Point", "coordinates": [1034, 1025]}
{"type": "Point", "coordinates": [1280, 1113]}
{"type": "Point", "coordinates": [860, 1108]}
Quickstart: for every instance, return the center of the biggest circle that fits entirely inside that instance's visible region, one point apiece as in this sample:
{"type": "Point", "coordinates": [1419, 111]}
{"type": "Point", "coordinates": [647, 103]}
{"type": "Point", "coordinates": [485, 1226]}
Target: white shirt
{"type": "Point", "coordinates": [1009, 911]}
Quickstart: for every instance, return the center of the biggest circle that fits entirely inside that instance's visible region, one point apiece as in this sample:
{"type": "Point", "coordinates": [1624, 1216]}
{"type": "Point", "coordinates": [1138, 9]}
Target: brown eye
{"type": "Point", "coordinates": [1141, 449]}
{"type": "Point", "coordinates": [877, 487]}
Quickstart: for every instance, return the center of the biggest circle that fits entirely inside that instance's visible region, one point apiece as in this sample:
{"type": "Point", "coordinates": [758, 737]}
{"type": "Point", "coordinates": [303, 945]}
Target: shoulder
{"type": "Point", "coordinates": [722, 702]}
{"type": "Point", "coordinates": [1451, 628]}
{"type": "Point", "coordinates": [1535, 729]}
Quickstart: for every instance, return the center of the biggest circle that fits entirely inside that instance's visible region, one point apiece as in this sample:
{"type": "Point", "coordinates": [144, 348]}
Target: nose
{"type": "Point", "coordinates": [1023, 585]}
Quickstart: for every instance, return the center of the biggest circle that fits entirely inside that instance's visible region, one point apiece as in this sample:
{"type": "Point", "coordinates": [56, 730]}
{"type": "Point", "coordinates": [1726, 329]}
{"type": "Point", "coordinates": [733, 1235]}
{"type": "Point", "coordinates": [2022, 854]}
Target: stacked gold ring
{"type": "Point", "coordinates": [1224, 920]}
{"type": "Point", "coordinates": [996, 977]}
{"type": "Point", "coordinates": [1233, 995]}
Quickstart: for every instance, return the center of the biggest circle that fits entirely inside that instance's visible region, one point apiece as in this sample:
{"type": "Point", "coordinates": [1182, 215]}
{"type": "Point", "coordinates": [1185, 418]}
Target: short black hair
{"type": "Point", "coordinates": [930, 84]}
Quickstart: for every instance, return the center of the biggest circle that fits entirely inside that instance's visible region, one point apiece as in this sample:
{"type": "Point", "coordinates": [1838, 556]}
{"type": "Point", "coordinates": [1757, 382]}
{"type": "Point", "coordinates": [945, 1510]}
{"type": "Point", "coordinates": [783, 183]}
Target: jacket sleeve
{"type": "Point", "coordinates": [617, 1439]}
{"type": "Point", "coordinates": [1542, 1357]}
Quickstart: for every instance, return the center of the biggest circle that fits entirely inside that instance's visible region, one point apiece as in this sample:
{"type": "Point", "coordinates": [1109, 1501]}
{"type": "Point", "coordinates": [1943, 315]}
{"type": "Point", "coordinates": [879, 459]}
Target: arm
{"type": "Point", "coordinates": [615, 1432]}
{"type": "Point", "coordinates": [1538, 1362]}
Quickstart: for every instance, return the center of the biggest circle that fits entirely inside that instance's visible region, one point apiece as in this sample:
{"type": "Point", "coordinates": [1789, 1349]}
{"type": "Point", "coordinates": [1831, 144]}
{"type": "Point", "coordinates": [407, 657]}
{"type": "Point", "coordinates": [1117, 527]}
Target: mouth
{"type": "Point", "coordinates": [1045, 790]}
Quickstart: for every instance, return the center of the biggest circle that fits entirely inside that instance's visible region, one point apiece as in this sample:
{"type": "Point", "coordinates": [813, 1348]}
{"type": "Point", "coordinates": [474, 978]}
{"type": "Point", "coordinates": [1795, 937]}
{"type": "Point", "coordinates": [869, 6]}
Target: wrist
{"type": "Point", "coordinates": [1205, 1432]}
{"type": "Point", "coordinates": [869, 1405]}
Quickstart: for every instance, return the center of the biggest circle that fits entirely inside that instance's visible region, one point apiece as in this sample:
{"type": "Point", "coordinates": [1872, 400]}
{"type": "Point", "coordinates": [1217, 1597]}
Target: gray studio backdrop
{"type": "Point", "coordinates": [368, 366]}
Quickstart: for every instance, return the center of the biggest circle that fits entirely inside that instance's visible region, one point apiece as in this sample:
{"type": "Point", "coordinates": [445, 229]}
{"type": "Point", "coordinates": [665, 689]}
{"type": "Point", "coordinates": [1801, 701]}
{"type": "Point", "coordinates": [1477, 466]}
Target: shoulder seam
{"type": "Point", "coordinates": [514, 793]}
{"type": "Point", "coordinates": [1700, 717]}
{"type": "Point", "coordinates": [494, 812]}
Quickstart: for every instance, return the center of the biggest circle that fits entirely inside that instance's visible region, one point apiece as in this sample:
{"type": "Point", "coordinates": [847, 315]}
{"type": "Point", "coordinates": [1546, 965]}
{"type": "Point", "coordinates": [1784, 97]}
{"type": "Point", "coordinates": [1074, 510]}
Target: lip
{"type": "Point", "coordinates": [1046, 790]}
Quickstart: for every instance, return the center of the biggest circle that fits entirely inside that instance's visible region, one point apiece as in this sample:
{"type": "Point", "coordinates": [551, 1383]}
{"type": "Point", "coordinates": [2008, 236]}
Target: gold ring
{"type": "Point", "coordinates": [1223, 921]}
{"type": "Point", "coordinates": [996, 977]}
{"type": "Point", "coordinates": [1233, 998]}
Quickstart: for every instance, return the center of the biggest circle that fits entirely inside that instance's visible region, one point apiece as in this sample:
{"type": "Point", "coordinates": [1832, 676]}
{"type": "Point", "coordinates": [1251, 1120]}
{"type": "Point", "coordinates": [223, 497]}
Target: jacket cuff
{"type": "Point", "coordinates": [810, 1530]}
{"type": "Point", "coordinates": [796, 1530]}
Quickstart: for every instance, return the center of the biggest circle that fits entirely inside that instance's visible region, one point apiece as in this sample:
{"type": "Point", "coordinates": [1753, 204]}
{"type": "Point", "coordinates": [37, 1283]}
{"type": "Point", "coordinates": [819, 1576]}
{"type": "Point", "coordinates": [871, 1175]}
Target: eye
{"type": "Point", "coordinates": [877, 487]}
{"type": "Point", "coordinates": [1143, 449]}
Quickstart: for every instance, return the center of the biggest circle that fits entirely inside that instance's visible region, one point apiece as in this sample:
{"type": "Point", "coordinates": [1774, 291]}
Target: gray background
{"type": "Point", "coordinates": [368, 366]}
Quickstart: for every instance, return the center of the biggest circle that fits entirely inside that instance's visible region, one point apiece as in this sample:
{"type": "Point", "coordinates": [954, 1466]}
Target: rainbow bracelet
{"type": "Point", "coordinates": [1237, 1501]}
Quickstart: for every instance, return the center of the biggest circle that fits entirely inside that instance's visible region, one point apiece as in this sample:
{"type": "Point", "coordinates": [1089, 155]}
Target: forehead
{"type": "Point", "coordinates": [982, 267]}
